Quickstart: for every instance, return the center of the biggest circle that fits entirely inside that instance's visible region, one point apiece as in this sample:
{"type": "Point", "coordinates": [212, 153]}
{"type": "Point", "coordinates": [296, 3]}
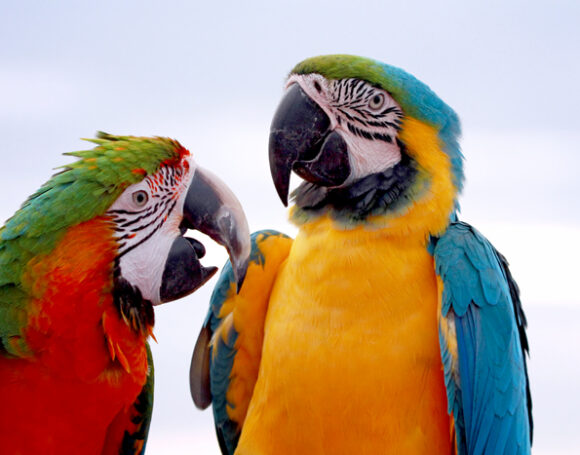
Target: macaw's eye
{"type": "Point", "coordinates": [377, 101]}
{"type": "Point", "coordinates": [140, 198]}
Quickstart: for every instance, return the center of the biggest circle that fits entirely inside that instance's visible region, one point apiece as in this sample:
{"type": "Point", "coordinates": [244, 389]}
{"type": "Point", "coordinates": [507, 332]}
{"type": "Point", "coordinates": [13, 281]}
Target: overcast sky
{"type": "Point", "coordinates": [210, 74]}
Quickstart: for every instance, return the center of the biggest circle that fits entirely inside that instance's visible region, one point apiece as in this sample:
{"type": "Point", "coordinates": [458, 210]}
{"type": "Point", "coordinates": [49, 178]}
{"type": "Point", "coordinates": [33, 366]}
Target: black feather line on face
{"type": "Point", "coordinates": [370, 195]}
{"type": "Point", "coordinates": [136, 311]}
{"type": "Point", "coordinates": [159, 222]}
{"type": "Point", "coordinates": [353, 105]}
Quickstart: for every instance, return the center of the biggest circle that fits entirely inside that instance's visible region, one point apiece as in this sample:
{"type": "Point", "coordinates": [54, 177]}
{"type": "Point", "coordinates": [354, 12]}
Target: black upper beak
{"type": "Point", "coordinates": [301, 140]}
{"type": "Point", "coordinates": [210, 207]}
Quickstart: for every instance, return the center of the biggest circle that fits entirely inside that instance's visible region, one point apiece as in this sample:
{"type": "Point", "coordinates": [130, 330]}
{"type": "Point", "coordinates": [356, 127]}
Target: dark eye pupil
{"type": "Point", "coordinates": [376, 99]}
{"type": "Point", "coordinates": [140, 197]}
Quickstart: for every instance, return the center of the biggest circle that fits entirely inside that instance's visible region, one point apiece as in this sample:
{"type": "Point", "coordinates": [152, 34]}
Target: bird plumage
{"type": "Point", "coordinates": [82, 264]}
{"type": "Point", "coordinates": [386, 325]}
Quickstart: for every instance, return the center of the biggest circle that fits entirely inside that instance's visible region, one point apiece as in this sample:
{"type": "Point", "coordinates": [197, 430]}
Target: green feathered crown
{"type": "Point", "coordinates": [86, 188]}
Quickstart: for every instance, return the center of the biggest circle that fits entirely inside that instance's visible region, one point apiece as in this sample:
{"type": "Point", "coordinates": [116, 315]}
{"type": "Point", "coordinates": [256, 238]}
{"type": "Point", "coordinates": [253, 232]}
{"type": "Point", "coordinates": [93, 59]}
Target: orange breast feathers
{"type": "Point", "coordinates": [86, 363]}
{"type": "Point", "coordinates": [351, 360]}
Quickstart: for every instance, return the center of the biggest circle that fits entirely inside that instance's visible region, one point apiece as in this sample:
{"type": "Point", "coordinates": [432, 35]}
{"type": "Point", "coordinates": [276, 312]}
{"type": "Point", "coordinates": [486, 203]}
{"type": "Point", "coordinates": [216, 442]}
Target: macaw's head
{"type": "Point", "coordinates": [373, 144]}
{"type": "Point", "coordinates": [169, 194]}
{"type": "Point", "coordinates": [146, 192]}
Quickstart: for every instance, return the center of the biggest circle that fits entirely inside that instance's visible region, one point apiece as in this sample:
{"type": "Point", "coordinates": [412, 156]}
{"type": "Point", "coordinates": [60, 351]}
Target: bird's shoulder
{"type": "Point", "coordinates": [234, 324]}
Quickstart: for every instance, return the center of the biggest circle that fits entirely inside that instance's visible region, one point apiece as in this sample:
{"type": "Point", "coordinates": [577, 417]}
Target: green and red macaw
{"type": "Point", "coordinates": [82, 264]}
{"type": "Point", "coordinates": [387, 325]}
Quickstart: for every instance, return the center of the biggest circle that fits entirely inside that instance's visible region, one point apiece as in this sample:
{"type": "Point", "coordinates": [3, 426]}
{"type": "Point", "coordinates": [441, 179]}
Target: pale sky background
{"type": "Point", "coordinates": [210, 74]}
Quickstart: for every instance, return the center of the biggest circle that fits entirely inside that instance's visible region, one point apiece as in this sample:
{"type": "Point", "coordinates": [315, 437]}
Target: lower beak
{"type": "Point", "coordinates": [211, 208]}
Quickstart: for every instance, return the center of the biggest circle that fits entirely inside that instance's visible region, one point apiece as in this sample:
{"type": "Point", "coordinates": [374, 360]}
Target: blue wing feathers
{"type": "Point", "coordinates": [222, 360]}
{"type": "Point", "coordinates": [521, 324]}
{"type": "Point", "coordinates": [221, 366]}
{"type": "Point", "coordinates": [465, 352]}
{"type": "Point", "coordinates": [487, 388]}
{"type": "Point", "coordinates": [486, 380]}
{"type": "Point", "coordinates": [219, 296]}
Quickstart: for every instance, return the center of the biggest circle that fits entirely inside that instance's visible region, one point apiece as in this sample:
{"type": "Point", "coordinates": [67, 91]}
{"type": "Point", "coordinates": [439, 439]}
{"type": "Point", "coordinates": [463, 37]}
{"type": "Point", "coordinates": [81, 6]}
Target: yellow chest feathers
{"type": "Point", "coordinates": [351, 352]}
{"type": "Point", "coordinates": [354, 289]}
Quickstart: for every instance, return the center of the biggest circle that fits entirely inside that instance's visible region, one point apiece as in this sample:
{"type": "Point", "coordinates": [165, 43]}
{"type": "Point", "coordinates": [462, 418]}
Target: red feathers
{"type": "Point", "coordinates": [87, 366]}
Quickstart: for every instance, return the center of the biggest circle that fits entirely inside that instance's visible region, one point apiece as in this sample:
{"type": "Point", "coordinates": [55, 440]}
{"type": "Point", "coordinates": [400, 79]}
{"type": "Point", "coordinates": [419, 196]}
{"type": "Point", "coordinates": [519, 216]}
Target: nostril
{"type": "Point", "coordinates": [197, 246]}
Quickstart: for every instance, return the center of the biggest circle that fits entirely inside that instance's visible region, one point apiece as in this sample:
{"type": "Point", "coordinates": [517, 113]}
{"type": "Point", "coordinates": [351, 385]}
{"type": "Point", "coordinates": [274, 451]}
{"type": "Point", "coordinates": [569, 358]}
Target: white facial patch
{"type": "Point", "coordinates": [147, 217]}
{"type": "Point", "coordinates": [317, 87]}
{"type": "Point", "coordinates": [367, 118]}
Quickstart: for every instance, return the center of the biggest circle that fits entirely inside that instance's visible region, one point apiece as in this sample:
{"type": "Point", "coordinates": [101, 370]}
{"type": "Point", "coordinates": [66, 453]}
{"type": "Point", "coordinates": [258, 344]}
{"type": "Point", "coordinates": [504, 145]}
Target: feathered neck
{"type": "Point", "coordinates": [426, 178]}
{"type": "Point", "coordinates": [373, 195]}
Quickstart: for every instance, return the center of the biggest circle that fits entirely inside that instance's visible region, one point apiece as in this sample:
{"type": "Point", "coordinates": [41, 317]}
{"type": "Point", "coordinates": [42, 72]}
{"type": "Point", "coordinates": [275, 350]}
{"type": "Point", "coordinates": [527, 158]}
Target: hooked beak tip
{"type": "Point", "coordinates": [282, 159]}
{"type": "Point", "coordinates": [240, 274]}
{"type": "Point", "coordinates": [283, 194]}
{"type": "Point", "coordinates": [212, 208]}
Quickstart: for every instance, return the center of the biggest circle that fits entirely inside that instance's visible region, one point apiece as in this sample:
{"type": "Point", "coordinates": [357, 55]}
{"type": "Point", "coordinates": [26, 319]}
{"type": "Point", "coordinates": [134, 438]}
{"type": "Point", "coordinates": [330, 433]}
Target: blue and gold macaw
{"type": "Point", "coordinates": [387, 325]}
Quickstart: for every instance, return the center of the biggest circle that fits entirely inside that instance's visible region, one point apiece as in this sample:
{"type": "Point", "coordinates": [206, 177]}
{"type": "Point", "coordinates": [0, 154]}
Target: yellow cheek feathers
{"type": "Point", "coordinates": [429, 212]}
{"type": "Point", "coordinates": [431, 199]}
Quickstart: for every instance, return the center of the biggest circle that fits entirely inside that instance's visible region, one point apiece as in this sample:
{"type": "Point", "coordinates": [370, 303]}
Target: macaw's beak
{"type": "Point", "coordinates": [211, 208]}
{"type": "Point", "coordinates": [301, 140]}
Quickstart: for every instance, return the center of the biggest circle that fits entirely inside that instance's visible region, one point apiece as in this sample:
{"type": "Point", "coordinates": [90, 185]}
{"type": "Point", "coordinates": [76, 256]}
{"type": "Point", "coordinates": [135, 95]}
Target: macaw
{"type": "Point", "coordinates": [387, 325]}
{"type": "Point", "coordinates": [82, 264]}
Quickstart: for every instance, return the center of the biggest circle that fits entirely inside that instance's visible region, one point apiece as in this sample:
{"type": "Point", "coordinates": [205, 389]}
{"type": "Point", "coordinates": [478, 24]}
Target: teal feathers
{"type": "Point", "coordinates": [486, 379]}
